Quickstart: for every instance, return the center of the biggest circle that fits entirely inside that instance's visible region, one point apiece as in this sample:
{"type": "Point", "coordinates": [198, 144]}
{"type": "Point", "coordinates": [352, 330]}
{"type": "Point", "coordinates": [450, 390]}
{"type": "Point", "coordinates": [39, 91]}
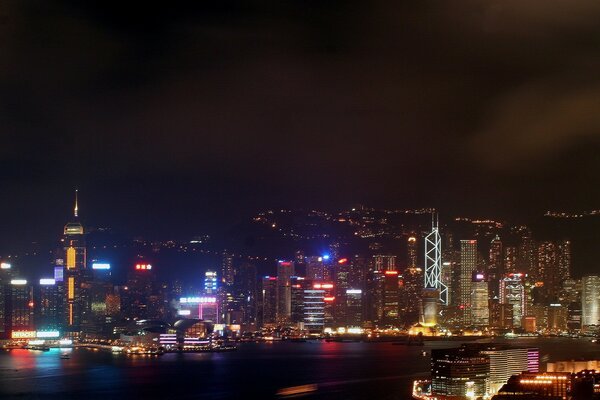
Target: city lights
{"type": "Point", "coordinates": [102, 266]}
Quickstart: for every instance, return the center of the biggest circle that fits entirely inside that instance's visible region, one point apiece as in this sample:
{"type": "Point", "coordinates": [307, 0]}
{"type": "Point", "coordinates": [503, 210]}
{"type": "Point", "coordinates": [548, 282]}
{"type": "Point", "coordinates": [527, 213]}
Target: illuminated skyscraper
{"type": "Point", "coordinates": [20, 306]}
{"type": "Point", "coordinates": [495, 266]}
{"type": "Point", "coordinates": [590, 301]}
{"type": "Point", "coordinates": [268, 301]}
{"type": "Point", "coordinates": [433, 263]}
{"type": "Point", "coordinates": [227, 270]}
{"type": "Point", "coordinates": [512, 291]}
{"type": "Point", "coordinates": [75, 273]}
{"type": "Point", "coordinates": [285, 271]}
{"type": "Point", "coordinates": [480, 314]}
{"type": "Point", "coordinates": [412, 252]}
{"type": "Point", "coordinates": [468, 264]}
{"type": "Point", "coordinates": [210, 282]}
{"type": "Point", "coordinates": [48, 305]}
{"type": "Point", "coordinates": [564, 260]}
{"type": "Point", "coordinates": [384, 263]}
{"type": "Point", "coordinates": [547, 269]}
{"type": "Point", "coordinates": [510, 260]}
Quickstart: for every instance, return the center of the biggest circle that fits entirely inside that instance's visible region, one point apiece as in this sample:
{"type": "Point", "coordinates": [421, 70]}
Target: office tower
{"type": "Point", "coordinates": [412, 252]}
{"type": "Point", "coordinates": [315, 268]}
{"type": "Point", "coordinates": [558, 316]}
{"type": "Point", "coordinates": [430, 300]}
{"type": "Point", "coordinates": [571, 291]}
{"type": "Point", "coordinates": [314, 308]}
{"type": "Point", "coordinates": [268, 301]}
{"type": "Point", "coordinates": [433, 263]}
{"type": "Point", "coordinates": [547, 269]}
{"type": "Point", "coordinates": [512, 291]}
{"type": "Point", "coordinates": [5, 277]}
{"type": "Point", "coordinates": [411, 290]}
{"type": "Point", "coordinates": [501, 315]}
{"type": "Point", "coordinates": [384, 263]}
{"type": "Point", "coordinates": [20, 306]}
{"type": "Point", "coordinates": [245, 286]}
{"type": "Point", "coordinates": [374, 297]}
{"type": "Point", "coordinates": [142, 297]}
{"type": "Point", "coordinates": [353, 313]}
{"type": "Point", "coordinates": [285, 271]}
{"type": "Point", "coordinates": [459, 372]}
{"type": "Point", "coordinates": [495, 265]}
{"type": "Point", "coordinates": [73, 256]}
{"type": "Point", "coordinates": [527, 253]}
{"type": "Point", "coordinates": [299, 284]}
{"type": "Point", "coordinates": [574, 316]}
{"type": "Point", "coordinates": [510, 260]}
{"type": "Point", "coordinates": [468, 264]}
{"type": "Point", "coordinates": [227, 269]}
{"type": "Point", "coordinates": [391, 298]}
{"type": "Point", "coordinates": [210, 283]}
{"type": "Point", "coordinates": [480, 315]}
{"type": "Point", "coordinates": [48, 305]}
{"type": "Point", "coordinates": [590, 301]}
{"type": "Point", "coordinates": [564, 260]}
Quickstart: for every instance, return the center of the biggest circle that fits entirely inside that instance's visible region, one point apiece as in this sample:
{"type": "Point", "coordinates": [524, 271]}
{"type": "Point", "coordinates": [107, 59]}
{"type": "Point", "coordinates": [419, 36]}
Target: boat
{"type": "Point", "coordinates": [65, 356]}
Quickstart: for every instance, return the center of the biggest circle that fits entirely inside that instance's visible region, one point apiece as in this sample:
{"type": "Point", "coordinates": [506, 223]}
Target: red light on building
{"type": "Point", "coordinates": [391, 272]}
{"type": "Point", "coordinates": [317, 286]}
{"type": "Point", "coordinates": [342, 261]}
{"type": "Point", "coordinates": [329, 299]}
{"type": "Point", "coordinates": [31, 304]}
{"type": "Point", "coordinates": [143, 267]}
{"type": "Point", "coordinates": [285, 263]}
{"type": "Point", "coordinates": [327, 286]}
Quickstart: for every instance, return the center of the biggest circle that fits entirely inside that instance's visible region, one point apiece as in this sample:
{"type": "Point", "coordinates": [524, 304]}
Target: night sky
{"type": "Point", "coordinates": [187, 116]}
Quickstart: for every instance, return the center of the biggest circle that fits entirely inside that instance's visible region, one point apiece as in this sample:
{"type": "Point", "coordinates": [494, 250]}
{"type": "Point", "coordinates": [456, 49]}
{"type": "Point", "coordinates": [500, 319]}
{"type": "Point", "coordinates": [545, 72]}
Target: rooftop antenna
{"type": "Point", "coordinates": [75, 211]}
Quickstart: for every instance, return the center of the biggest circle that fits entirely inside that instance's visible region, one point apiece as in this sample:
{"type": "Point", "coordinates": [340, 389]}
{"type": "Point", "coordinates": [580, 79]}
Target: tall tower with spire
{"type": "Point", "coordinates": [433, 261]}
{"type": "Point", "coordinates": [74, 264]}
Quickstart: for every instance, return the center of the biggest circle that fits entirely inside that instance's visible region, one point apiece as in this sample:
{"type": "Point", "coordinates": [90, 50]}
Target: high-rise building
{"type": "Point", "coordinates": [73, 255]}
{"type": "Point", "coordinates": [285, 271]}
{"type": "Point", "coordinates": [268, 301]}
{"type": "Point", "coordinates": [244, 292]}
{"type": "Point", "coordinates": [590, 301]}
{"type": "Point", "coordinates": [433, 263]}
{"type": "Point", "coordinates": [527, 260]}
{"type": "Point", "coordinates": [411, 289]}
{"type": "Point", "coordinates": [512, 291]}
{"type": "Point", "coordinates": [299, 284]}
{"type": "Point", "coordinates": [353, 313]}
{"type": "Point", "coordinates": [547, 269]}
{"type": "Point", "coordinates": [227, 269]}
{"type": "Point", "coordinates": [412, 250]}
{"type": "Point", "coordinates": [510, 260]}
{"type": "Point", "coordinates": [19, 306]}
{"type": "Point", "coordinates": [48, 305]}
{"type": "Point", "coordinates": [480, 312]}
{"type": "Point", "coordinates": [384, 262]}
{"type": "Point", "coordinates": [143, 297]}
{"type": "Point", "coordinates": [468, 264]}
{"type": "Point", "coordinates": [506, 361]}
{"type": "Point", "coordinates": [391, 298]}
{"type": "Point", "coordinates": [495, 266]}
{"type": "Point", "coordinates": [315, 268]}
{"type": "Point", "coordinates": [564, 260]}
{"type": "Point", "coordinates": [210, 282]}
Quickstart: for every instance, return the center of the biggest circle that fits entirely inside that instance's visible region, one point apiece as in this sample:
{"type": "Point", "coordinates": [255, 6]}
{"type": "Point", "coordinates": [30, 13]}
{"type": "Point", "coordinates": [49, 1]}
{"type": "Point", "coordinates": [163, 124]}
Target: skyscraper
{"type": "Point", "coordinates": [480, 314]}
{"type": "Point", "coordinates": [433, 263]}
{"type": "Point", "coordinates": [495, 266]}
{"type": "Point", "coordinates": [285, 271]}
{"type": "Point", "coordinates": [412, 250]}
{"type": "Point", "coordinates": [75, 272]}
{"type": "Point", "coordinates": [468, 264]}
{"type": "Point", "coordinates": [268, 301]}
{"type": "Point", "coordinates": [590, 301]}
{"type": "Point", "coordinates": [512, 291]}
{"type": "Point", "coordinates": [227, 270]}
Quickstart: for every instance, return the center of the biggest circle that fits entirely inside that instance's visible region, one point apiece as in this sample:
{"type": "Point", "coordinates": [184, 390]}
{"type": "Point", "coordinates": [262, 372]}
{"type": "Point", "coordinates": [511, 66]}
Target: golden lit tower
{"type": "Point", "coordinates": [74, 266]}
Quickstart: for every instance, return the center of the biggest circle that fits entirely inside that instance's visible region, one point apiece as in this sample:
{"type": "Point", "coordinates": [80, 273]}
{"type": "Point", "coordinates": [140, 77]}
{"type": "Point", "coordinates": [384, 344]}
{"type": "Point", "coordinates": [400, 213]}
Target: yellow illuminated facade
{"type": "Point", "coordinates": [71, 257]}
